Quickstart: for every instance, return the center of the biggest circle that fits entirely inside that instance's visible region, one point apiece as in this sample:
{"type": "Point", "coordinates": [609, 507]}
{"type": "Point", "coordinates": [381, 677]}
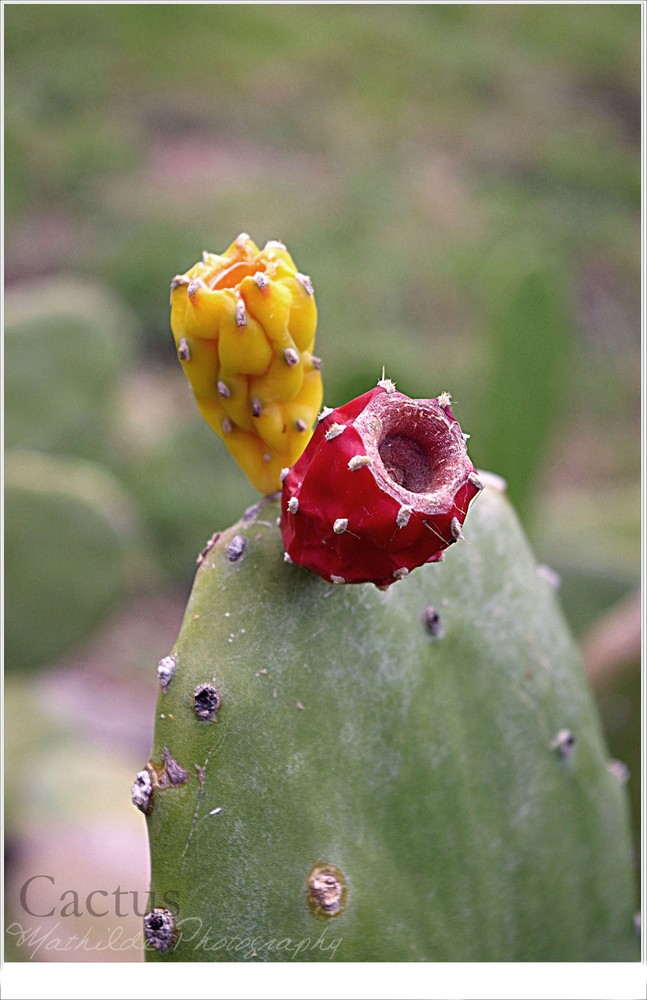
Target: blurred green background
{"type": "Point", "coordinates": [462, 183]}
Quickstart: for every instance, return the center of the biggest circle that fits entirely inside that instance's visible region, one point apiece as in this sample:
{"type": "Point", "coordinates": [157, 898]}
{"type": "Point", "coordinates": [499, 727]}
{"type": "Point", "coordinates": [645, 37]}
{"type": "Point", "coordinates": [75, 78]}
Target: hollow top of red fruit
{"type": "Point", "coordinates": [417, 449]}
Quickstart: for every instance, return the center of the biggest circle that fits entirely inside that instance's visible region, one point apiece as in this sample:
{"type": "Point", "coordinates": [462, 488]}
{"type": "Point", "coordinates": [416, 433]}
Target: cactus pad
{"type": "Point", "coordinates": [73, 546]}
{"type": "Point", "coordinates": [415, 774]}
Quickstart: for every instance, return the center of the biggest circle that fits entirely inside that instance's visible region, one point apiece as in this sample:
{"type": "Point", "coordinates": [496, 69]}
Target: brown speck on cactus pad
{"type": "Point", "coordinates": [326, 890]}
{"type": "Point", "coordinates": [171, 774]}
{"type": "Point", "coordinates": [142, 791]}
{"type": "Point", "coordinates": [236, 548]}
{"type": "Point", "coordinates": [165, 670]}
{"type": "Point", "coordinates": [398, 479]}
{"type": "Point", "coordinates": [206, 702]}
{"type": "Point", "coordinates": [160, 929]}
{"type": "Point", "coordinates": [563, 743]}
{"type": "Point", "coordinates": [432, 622]}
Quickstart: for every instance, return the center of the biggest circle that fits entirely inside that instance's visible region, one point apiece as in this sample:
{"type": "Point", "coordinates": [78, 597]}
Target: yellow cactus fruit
{"type": "Point", "coordinates": [244, 327]}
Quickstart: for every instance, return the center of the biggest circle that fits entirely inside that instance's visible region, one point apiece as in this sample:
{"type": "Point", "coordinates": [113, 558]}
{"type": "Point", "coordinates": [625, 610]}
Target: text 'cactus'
{"type": "Point", "coordinates": [383, 486]}
{"type": "Point", "coordinates": [244, 327]}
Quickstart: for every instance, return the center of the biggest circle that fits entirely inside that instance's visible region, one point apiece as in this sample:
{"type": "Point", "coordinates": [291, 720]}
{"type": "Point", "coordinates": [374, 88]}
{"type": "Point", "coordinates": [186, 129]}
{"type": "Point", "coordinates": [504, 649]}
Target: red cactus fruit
{"type": "Point", "coordinates": [383, 486]}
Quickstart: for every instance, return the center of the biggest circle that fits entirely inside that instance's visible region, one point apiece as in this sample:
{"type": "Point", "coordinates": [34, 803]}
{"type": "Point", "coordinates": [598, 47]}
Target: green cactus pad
{"type": "Point", "coordinates": [410, 775]}
{"type": "Point", "coordinates": [73, 547]}
{"type": "Point", "coordinates": [68, 343]}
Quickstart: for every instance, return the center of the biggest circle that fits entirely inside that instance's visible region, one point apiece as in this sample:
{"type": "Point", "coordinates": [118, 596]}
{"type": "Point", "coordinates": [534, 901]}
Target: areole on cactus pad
{"type": "Point", "coordinates": [383, 486]}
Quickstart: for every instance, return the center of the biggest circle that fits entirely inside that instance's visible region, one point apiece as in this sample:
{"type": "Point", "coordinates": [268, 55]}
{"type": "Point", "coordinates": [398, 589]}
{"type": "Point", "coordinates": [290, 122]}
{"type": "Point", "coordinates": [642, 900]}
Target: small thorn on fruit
{"type": "Point", "coordinates": [359, 462]}
{"type": "Point", "coordinates": [195, 286]}
{"type": "Point", "coordinates": [334, 431]}
{"type": "Point", "coordinates": [403, 515]}
{"type": "Point", "coordinates": [305, 282]}
{"type": "Point", "coordinates": [241, 313]}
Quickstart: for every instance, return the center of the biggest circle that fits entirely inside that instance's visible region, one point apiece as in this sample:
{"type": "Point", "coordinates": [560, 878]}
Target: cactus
{"type": "Point", "coordinates": [68, 345]}
{"type": "Point", "coordinates": [383, 486]}
{"type": "Point", "coordinates": [244, 327]}
{"type": "Point", "coordinates": [74, 547]}
{"type": "Point", "coordinates": [340, 772]}
{"type": "Point", "coordinates": [388, 773]}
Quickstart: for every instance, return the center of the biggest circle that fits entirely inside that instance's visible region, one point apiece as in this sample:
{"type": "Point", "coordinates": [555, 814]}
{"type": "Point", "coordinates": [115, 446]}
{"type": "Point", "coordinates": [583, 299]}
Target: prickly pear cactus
{"type": "Point", "coordinates": [74, 547]}
{"type": "Point", "coordinates": [417, 773]}
{"type": "Point", "coordinates": [74, 340]}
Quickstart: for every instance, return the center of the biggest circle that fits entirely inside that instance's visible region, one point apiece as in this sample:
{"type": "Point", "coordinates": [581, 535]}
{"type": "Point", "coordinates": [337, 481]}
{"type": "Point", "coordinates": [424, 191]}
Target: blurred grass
{"type": "Point", "coordinates": [462, 182]}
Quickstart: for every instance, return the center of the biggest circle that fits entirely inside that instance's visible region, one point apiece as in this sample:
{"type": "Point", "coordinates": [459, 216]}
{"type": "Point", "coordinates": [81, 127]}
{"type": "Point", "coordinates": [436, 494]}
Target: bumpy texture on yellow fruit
{"type": "Point", "coordinates": [244, 327]}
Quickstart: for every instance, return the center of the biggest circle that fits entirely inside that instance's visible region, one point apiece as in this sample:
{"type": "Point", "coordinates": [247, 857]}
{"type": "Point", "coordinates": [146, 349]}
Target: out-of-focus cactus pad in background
{"type": "Point", "coordinates": [461, 182]}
